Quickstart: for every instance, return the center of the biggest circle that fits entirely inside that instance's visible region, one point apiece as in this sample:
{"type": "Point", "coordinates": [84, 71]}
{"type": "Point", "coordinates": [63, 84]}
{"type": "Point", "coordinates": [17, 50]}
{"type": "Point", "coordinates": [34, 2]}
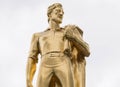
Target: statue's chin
{"type": "Point", "coordinates": [59, 21]}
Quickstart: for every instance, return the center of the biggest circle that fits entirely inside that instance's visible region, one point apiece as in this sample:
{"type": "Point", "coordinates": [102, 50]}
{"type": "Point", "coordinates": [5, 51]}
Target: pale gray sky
{"type": "Point", "coordinates": [99, 19]}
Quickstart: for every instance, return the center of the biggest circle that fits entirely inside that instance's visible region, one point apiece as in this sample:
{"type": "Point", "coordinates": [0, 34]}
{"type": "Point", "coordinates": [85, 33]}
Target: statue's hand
{"type": "Point", "coordinates": [29, 84]}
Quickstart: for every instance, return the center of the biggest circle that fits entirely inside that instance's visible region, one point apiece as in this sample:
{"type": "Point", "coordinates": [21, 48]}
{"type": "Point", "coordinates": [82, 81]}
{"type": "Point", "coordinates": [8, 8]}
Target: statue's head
{"type": "Point", "coordinates": [55, 13]}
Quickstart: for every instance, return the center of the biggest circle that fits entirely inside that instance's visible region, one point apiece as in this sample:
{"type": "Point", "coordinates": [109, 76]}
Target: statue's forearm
{"type": "Point", "coordinates": [31, 68]}
{"type": "Point", "coordinates": [81, 46]}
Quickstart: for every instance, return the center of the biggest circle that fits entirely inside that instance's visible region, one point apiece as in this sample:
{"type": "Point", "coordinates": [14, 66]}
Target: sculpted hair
{"type": "Point", "coordinates": [51, 7]}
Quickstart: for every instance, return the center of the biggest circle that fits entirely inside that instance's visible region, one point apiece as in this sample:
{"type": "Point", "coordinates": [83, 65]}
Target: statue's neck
{"type": "Point", "coordinates": [53, 25]}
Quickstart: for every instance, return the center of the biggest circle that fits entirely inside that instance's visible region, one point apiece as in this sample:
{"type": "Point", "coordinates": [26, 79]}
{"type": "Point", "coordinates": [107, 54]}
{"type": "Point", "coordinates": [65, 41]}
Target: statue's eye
{"type": "Point", "coordinates": [58, 10]}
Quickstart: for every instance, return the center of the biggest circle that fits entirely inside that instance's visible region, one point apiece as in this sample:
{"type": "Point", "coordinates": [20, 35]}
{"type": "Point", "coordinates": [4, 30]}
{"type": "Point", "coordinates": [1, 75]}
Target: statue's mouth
{"type": "Point", "coordinates": [60, 16]}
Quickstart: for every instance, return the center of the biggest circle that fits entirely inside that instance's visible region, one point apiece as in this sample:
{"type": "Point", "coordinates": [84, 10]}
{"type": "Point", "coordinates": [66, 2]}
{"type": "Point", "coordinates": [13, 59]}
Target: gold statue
{"type": "Point", "coordinates": [62, 51]}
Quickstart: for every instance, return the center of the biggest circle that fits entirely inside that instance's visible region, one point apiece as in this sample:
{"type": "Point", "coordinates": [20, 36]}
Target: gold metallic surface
{"type": "Point", "coordinates": [63, 53]}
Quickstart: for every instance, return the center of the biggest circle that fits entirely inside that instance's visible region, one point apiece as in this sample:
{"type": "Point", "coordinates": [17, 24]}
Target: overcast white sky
{"type": "Point", "coordinates": [99, 19]}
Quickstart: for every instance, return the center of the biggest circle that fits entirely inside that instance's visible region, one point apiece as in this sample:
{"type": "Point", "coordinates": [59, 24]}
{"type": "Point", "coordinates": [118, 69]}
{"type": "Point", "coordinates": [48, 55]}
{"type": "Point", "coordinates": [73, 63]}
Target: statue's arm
{"type": "Point", "coordinates": [74, 34]}
{"type": "Point", "coordinates": [32, 60]}
{"type": "Point", "coordinates": [30, 71]}
{"type": "Point", "coordinates": [82, 46]}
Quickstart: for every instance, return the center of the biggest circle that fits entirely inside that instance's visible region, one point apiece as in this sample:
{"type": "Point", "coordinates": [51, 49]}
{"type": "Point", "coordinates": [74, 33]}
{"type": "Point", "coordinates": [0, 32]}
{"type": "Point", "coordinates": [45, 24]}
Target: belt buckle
{"type": "Point", "coordinates": [55, 55]}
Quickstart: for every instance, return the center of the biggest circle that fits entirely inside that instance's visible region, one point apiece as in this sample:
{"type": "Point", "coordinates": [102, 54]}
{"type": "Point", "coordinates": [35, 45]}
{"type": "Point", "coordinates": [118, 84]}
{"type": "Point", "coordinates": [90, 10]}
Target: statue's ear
{"type": "Point", "coordinates": [49, 15]}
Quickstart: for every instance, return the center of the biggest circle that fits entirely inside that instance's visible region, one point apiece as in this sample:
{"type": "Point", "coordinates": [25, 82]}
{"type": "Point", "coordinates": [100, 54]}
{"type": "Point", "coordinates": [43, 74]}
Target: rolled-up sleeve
{"type": "Point", "coordinates": [34, 48]}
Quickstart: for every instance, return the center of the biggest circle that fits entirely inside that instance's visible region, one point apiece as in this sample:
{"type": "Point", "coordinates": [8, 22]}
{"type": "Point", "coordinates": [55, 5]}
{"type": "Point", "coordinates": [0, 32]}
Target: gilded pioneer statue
{"type": "Point", "coordinates": [62, 51]}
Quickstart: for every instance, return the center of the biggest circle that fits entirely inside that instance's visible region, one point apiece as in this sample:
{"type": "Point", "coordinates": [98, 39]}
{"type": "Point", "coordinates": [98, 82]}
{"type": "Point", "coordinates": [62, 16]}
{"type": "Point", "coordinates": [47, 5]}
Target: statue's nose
{"type": "Point", "coordinates": [61, 12]}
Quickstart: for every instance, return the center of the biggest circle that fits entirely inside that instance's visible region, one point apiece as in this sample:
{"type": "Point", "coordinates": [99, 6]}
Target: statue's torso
{"type": "Point", "coordinates": [51, 41]}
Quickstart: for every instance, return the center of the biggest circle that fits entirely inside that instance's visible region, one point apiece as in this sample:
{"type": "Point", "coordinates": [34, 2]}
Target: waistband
{"type": "Point", "coordinates": [54, 54]}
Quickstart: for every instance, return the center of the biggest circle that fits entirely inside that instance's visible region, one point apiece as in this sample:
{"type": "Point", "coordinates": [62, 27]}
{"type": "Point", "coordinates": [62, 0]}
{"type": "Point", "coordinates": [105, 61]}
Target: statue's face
{"type": "Point", "coordinates": [57, 15]}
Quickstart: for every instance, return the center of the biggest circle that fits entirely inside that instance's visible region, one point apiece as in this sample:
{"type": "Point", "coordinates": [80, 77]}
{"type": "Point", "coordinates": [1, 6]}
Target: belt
{"type": "Point", "coordinates": [54, 53]}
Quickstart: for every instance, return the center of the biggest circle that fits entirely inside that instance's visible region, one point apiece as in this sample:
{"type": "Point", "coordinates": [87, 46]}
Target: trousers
{"type": "Point", "coordinates": [58, 64]}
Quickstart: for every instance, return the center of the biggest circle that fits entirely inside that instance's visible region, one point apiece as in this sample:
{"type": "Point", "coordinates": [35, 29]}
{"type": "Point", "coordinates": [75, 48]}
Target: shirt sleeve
{"type": "Point", "coordinates": [34, 48]}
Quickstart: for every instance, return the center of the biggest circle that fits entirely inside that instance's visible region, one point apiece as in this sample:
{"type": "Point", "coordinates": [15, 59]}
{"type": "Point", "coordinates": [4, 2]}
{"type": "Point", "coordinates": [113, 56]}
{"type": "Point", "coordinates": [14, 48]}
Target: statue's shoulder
{"type": "Point", "coordinates": [39, 34]}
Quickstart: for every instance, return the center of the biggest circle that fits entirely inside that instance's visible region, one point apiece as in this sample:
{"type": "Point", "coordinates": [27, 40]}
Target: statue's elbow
{"type": "Point", "coordinates": [87, 50]}
{"type": "Point", "coordinates": [88, 54]}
